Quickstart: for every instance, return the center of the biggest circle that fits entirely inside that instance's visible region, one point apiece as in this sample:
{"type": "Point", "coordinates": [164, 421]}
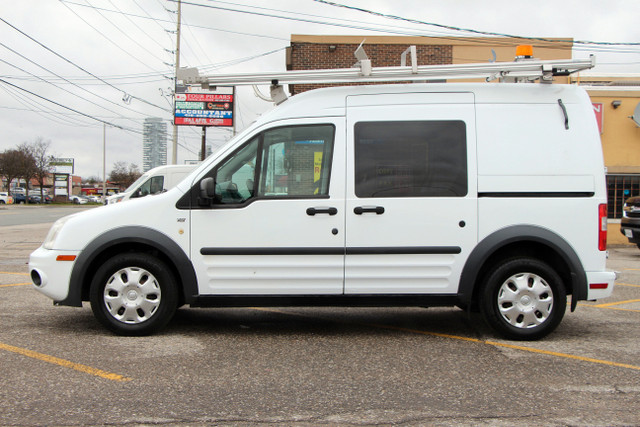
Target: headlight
{"type": "Point", "coordinates": [53, 232]}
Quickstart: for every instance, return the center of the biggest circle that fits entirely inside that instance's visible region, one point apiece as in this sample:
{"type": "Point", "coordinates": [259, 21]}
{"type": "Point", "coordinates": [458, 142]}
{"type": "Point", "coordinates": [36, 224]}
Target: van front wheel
{"type": "Point", "coordinates": [523, 299]}
{"type": "Point", "coordinates": [133, 294]}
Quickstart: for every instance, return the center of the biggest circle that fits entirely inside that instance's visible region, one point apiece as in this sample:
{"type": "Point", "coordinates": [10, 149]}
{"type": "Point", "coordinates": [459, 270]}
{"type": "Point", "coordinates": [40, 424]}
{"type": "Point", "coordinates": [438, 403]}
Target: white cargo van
{"type": "Point", "coordinates": [476, 195]}
{"type": "Point", "coordinates": [153, 181]}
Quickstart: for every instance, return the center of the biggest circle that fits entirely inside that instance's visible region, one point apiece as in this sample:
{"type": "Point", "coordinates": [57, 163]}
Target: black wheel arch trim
{"type": "Point", "coordinates": [130, 234]}
{"type": "Point", "coordinates": [522, 233]}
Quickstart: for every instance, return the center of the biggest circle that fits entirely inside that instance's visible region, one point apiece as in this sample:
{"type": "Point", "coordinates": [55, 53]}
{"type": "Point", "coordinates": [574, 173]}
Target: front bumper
{"type": "Point", "coordinates": [50, 271]}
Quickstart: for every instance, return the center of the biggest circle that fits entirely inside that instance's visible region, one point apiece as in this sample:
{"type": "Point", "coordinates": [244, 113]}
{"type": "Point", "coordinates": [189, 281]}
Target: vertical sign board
{"type": "Point", "coordinates": [61, 184]}
{"type": "Point", "coordinates": [599, 112]}
{"type": "Point", "coordinates": [62, 169]}
{"type": "Point", "coordinates": [196, 106]}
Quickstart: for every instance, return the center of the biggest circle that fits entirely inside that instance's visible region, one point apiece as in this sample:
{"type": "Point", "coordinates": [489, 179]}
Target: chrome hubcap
{"type": "Point", "coordinates": [132, 295]}
{"type": "Point", "coordinates": [525, 300]}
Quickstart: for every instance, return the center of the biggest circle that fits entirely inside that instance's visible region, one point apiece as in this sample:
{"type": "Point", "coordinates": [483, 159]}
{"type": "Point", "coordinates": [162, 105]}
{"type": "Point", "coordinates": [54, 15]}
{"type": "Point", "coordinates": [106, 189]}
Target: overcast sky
{"type": "Point", "coordinates": [111, 60]}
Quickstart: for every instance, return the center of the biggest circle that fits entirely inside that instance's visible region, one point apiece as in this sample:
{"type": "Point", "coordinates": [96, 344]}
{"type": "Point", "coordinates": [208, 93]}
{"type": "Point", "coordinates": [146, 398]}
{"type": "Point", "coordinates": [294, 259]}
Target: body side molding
{"type": "Point", "coordinates": [393, 250]}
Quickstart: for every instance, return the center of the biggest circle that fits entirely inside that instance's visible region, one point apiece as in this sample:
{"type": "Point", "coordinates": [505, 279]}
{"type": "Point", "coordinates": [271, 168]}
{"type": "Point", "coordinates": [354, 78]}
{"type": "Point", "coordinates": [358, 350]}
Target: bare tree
{"type": "Point", "coordinates": [10, 166]}
{"type": "Point", "coordinates": [93, 179]}
{"type": "Point", "coordinates": [39, 150]}
{"type": "Point", "coordinates": [124, 174]}
{"type": "Point", "coordinates": [27, 165]}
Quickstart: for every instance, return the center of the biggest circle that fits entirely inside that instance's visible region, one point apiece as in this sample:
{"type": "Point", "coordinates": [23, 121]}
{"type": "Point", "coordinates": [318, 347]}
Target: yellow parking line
{"type": "Point", "coordinates": [620, 309]}
{"type": "Point", "coordinates": [12, 272]}
{"type": "Point", "coordinates": [608, 308]}
{"type": "Point", "coordinates": [478, 341]}
{"type": "Point", "coordinates": [611, 304]}
{"type": "Point", "coordinates": [627, 284]}
{"type": "Point", "coordinates": [515, 347]}
{"type": "Point", "coordinates": [15, 284]}
{"type": "Point", "coordinates": [65, 363]}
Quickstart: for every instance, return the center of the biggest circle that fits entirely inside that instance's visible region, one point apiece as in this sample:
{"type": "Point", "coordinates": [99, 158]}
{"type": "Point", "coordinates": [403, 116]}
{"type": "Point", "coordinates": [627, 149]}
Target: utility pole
{"type": "Point", "coordinates": [174, 151]}
{"type": "Point", "coordinates": [203, 145]}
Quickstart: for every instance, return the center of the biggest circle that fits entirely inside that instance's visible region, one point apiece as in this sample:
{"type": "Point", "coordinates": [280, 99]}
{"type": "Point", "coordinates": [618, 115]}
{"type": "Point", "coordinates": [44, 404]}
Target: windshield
{"type": "Point", "coordinates": [137, 182]}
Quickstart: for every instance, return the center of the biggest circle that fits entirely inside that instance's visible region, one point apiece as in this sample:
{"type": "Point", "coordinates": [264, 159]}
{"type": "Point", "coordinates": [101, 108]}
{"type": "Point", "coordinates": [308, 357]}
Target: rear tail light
{"type": "Point", "coordinates": [602, 227]}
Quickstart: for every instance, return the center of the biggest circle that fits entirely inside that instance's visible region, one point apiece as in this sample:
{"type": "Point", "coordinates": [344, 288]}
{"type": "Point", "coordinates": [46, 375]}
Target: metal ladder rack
{"type": "Point", "coordinates": [362, 72]}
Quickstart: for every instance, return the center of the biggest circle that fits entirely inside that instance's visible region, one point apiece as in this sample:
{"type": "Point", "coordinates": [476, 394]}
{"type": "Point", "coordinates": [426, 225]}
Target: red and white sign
{"type": "Point", "coordinates": [195, 121]}
{"type": "Point", "coordinates": [196, 106]}
{"type": "Point", "coordinates": [203, 97]}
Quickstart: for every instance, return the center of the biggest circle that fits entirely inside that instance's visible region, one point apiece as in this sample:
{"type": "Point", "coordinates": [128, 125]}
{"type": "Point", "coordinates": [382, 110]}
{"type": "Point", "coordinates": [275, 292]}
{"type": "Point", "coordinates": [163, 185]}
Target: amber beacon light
{"type": "Point", "coordinates": [524, 51]}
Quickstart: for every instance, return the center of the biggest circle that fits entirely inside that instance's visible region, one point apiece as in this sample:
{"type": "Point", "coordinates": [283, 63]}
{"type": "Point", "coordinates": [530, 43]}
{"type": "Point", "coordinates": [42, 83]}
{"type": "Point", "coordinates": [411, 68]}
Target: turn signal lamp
{"type": "Point", "coordinates": [524, 51]}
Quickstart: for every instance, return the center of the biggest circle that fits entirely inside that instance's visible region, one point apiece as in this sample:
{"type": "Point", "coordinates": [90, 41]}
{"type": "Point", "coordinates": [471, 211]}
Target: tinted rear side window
{"type": "Point", "coordinates": [411, 159]}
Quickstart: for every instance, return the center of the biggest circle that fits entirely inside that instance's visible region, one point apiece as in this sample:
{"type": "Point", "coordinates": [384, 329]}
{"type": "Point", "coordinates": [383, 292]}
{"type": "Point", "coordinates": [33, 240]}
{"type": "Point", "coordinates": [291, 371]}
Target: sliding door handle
{"type": "Point", "coordinates": [359, 210]}
{"type": "Point", "coordinates": [313, 211]}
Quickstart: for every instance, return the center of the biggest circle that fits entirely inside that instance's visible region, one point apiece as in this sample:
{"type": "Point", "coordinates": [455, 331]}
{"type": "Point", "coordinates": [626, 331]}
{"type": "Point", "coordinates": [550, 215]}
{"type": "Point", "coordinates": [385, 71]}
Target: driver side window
{"type": "Point", "coordinates": [289, 161]}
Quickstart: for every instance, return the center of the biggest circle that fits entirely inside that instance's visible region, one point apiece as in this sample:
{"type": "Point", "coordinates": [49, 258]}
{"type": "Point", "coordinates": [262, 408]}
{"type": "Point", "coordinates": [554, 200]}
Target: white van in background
{"type": "Point", "coordinates": [153, 181]}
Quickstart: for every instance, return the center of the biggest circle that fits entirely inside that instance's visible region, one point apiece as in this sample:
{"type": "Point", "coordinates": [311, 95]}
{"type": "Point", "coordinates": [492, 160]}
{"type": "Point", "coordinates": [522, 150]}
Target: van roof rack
{"type": "Point", "coordinates": [521, 70]}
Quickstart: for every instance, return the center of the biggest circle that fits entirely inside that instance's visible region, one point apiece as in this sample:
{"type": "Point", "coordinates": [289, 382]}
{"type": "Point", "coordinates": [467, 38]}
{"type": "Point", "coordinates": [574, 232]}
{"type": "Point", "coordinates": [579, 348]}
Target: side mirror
{"type": "Point", "coordinates": [207, 188]}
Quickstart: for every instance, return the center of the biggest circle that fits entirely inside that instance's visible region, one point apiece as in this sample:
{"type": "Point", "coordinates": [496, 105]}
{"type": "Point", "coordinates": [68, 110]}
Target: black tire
{"type": "Point", "coordinates": [523, 299]}
{"type": "Point", "coordinates": [134, 294]}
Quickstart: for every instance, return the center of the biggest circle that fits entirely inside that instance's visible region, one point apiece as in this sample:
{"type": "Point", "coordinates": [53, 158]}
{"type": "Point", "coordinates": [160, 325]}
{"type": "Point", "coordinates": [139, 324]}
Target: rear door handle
{"type": "Point", "coordinates": [330, 211]}
{"type": "Point", "coordinates": [359, 210]}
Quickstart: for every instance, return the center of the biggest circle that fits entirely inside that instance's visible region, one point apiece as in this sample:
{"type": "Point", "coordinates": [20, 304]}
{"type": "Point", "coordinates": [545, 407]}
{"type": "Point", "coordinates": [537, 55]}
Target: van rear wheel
{"type": "Point", "coordinates": [523, 299]}
{"type": "Point", "coordinates": [134, 294]}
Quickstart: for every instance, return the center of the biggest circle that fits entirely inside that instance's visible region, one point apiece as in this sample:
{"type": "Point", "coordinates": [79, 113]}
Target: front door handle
{"type": "Point", "coordinates": [359, 210]}
{"type": "Point", "coordinates": [330, 211]}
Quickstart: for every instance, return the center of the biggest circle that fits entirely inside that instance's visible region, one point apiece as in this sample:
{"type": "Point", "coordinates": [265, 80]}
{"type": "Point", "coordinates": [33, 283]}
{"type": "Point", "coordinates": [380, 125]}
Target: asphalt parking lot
{"type": "Point", "coordinates": [303, 366]}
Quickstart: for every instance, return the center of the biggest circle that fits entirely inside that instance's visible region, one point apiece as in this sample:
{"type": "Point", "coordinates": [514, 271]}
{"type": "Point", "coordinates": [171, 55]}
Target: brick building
{"type": "Point", "coordinates": [322, 52]}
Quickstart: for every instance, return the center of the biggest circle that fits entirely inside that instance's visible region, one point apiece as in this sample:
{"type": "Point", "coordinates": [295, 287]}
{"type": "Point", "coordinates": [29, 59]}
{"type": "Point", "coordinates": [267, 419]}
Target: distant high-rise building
{"type": "Point", "coordinates": [154, 143]}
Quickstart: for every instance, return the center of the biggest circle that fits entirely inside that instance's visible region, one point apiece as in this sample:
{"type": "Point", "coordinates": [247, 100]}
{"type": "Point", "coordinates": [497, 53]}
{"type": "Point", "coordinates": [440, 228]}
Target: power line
{"type": "Point", "coordinates": [108, 39]}
{"type": "Point", "coordinates": [403, 31]}
{"type": "Point", "coordinates": [468, 30]}
{"type": "Point", "coordinates": [136, 25]}
{"type": "Point", "coordinates": [69, 108]}
{"type": "Point", "coordinates": [239, 60]}
{"type": "Point", "coordinates": [53, 84]}
{"type": "Point", "coordinates": [191, 25]}
{"type": "Point", "coordinates": [124, 33]}
{"type": "Point", "coordinates": [80, 68]}
{"type": "Point", "coordinates": [44, 111]}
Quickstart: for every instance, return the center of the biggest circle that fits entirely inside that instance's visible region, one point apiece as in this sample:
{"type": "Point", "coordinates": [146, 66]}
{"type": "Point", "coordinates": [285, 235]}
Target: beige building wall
{"type": "Point", "coordinates": [468, 50]}
{"type": "Point", "coordinates": [620, 134]}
